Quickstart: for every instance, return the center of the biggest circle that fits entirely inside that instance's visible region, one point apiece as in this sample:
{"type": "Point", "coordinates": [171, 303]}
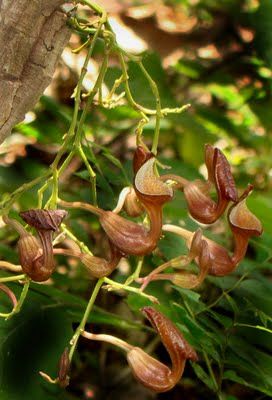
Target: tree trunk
{"type": "Point", "coordinates": [33, 34]}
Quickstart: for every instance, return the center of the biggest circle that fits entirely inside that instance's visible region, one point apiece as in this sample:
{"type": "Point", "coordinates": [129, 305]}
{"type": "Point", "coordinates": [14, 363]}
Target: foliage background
{"type": "Point", "coordinates": [217, 56]}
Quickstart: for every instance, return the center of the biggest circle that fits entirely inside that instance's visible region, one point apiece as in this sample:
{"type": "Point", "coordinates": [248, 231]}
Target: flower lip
{"type": "Point", "coordinates": [44, 219]}
{"type": "Point", "coordinates": [150, 371]}
{"type": "Point", "coordinates": [170, 335]}
{"type": "Point", "coordinates": [150, 186]}
{"type": "Point", "coordinates": [240, 218]}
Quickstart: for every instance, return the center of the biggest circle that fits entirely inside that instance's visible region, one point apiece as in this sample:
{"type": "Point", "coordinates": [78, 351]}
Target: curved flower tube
{"type": "Point", "coordinates": [243, 224]}
{"type": "Point", "coordinates": [36, 256]}
{"type": "Point", "coordinates": [150, 372]}
{"type": "Point", "coordinates": [190, 281]}
{"type": "Point", "coordinates": [127, 236]}
{"type": "Point", "coordinates": [98, 267]}
{"type": "Point", "coordinates": [200, 204]}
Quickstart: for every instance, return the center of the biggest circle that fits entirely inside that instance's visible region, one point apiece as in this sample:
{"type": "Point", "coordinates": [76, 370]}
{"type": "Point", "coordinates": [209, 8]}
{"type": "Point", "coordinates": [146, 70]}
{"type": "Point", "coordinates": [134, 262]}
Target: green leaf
{"type": "Point", "coordinates": [249, 366]}
{"type": "Point", "coordinates": [262, 22]}
{"type": "Point", "coordinates": [31, 342]}
{"type": "Point", "coordinates": [190, 68]}
{"type": "Point", "coordinates": [203, 376]}
{"type": "Point", "coordinates": [199, 338]}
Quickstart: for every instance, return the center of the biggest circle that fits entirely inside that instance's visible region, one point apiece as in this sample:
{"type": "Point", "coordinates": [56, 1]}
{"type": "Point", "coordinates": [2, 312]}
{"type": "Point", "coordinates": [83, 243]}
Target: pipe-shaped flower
{"type": "Point", "coordinates": [188, 280]}
{"type": "Point", "coordinates": [149, 371]}
{"type": "Point", "coordinates": [37, 258]}
{"type": "Point", "coordinates": [243, 224]}
{"type": "Point", "coordinates": [201, 206]}
{"type": "Point", "coordinates": [198, 251]}
{"type": "Point", "coordinates": [130, 237]}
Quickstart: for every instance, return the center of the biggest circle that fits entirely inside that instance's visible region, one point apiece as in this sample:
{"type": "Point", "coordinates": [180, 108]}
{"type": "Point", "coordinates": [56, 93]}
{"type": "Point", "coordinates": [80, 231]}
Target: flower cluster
{"type": "Point", "coordinates": [148, 195]}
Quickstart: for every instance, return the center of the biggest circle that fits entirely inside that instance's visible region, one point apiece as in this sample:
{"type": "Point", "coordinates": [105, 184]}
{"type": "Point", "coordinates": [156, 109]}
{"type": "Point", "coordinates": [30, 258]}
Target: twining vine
{"type": "Point", "coordinates": [145, 196]}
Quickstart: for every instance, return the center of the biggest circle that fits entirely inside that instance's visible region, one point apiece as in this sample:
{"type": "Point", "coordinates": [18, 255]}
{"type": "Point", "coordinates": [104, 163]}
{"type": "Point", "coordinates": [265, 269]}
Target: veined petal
{"type": "Point", "coordinates": [243, 220]}
{"type": "Point", "coordinates": [149, 187]}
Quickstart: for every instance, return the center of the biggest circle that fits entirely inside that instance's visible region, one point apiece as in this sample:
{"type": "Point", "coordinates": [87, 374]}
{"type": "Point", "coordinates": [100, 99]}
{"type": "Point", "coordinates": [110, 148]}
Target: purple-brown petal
{"type": "Point", "coordinates": [149, 187]}
{"type": "Point", "coordinates": [209, 161]}
{"type": "Point", "coordinates": [223, 176]}
{"type": "Point", "coordinates": [244, 221]}
{"type": "Point", "coordinates": [150, 372]}
{"type": "Point", "coordinates": [171, 337]}
{"type": "Point", "coordinates": [44, 219]}
{"type": "Point", "coordinates": [200, 205]}
{"type": "Point", "coordinates": [140, 157]}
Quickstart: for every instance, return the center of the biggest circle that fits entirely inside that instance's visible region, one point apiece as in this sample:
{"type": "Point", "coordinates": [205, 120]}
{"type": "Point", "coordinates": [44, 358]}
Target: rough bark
{"type": "Point", "coordinates": [33, 34]}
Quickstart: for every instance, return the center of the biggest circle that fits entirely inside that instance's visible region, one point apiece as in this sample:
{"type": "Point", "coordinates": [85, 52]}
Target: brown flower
{"type": "Point", "coordinates": [36, 257]}
{"type": "Point", "coordinates": [199, 251]}
{"type": "Point", "coordinates": [243, 224]}
{"type": "Point", "coordinates": [200, 204]}
{"type": "Point", "coordinates": [150, 372]}
{"type": "Point", "coordinates": [127, 236]}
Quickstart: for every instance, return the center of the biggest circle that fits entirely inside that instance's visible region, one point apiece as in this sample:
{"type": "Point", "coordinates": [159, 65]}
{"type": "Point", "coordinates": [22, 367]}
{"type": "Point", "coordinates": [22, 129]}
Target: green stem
{"type": "Point", "coordinates": [112, 285]}
{"type": "Point", "coordinates": [156, 93]}
{"type": "Point", "coordinates": [259, 327]}
{"type": "Point", "coordinates": [136, 273]}
{"type": "Point", "coordinates": [55, 191]}
{"type": "Point", "coordinates": [71, 130]}
{"type": "Point", "coordinates": [210, 371]}
{"type": "Point", "coordinates": [130, 99]}
{"type": "Point", "coordinates": [91, 173]}
{"type": "Point", "coordinates": [92, 5]}
{"type": "Point", "coordinates": [7, 203]}
{"type": "Point", "coordinates": [45, 186]}
{"type": "Point", "coordinates": [22, 298]}
{"type": "Point", "coordinates": [224, 293]}
{"type": "Point", "coordinates": [90, 98]}
{"type": "Point", "coordinates": [13, 278]}
{"type": "Point", "coordinates": [83, 322]}
{"type": "Point", "coordinates": [82, 245]}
